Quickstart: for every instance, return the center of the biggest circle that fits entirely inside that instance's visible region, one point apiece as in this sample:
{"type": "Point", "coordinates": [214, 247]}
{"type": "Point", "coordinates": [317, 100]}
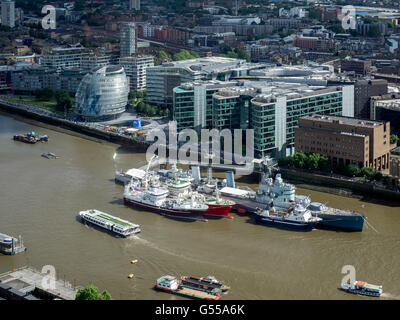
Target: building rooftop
{"type": "Point", "coordinates": [209, 64]}
{"type": "Point", "coordinates": [108, 69]}
{"type": "Point", "coordinates": [344, 120]}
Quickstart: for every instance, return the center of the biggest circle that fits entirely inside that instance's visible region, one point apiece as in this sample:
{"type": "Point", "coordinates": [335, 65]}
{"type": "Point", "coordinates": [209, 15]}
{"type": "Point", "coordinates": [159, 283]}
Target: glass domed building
{"type": "Point", "coordinates": [102, 94]}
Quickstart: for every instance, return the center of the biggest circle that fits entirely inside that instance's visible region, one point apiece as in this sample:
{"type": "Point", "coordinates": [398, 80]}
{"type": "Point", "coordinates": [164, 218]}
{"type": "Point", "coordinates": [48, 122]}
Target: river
{"type": "Point", "coordinates": [41, 198]}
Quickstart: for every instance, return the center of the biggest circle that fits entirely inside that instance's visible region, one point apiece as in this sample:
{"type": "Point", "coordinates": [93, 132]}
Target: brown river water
{"type": "Point", "coordinates": [41, 198]}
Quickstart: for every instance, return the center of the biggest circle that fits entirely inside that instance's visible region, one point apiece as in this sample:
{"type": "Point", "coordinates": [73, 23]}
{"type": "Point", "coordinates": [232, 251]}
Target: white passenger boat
{"type": "Point", "coordinates": [113, 224]}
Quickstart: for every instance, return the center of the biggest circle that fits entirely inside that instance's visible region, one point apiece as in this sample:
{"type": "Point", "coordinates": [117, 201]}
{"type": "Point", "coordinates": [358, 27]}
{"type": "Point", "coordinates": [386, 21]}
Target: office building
{"type": "Point", "coordinates": [136, 70]}
{"type": "Point", "coordinates": [193, 103]}
{"type": "Point", "coordinates": [387, 108]}
{"type": "Point", "coordinates": [161, 80]}
{"type": "Point", "coordinates": [346, 140]}
{"type": "Point", "coordinates": [102, 94]}
{"type": "Point", "coordinates": [8, 13]}
{"type": "Point", "coordinates": [128, 39]}
{"type": "Point", "coordinates": [360, 67]}
{"type": "Point", "coordinates": [363, 91]}
{"type": "Point", "coordinates": [272, 109]}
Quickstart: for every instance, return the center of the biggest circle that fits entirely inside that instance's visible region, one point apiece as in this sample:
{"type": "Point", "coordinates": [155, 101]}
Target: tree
{"type": "Point", "coordinates": [140, 107]}
{"type": "Point", "coordinates": [353, 170]}
{"type": "Point", "coordinates": [63, 99]}
{"type": "Point", "coordinates": [242, 54]}
{"type": "Point", "coordinates": [312, 161]}
{"type": "Point", "coordinates": [92, 293]}
{"type": "Point", "coordinates": [184, 55]}
{"type": "Point", "coordinates": [163, 55]}
{"type": "Point", "coordinates": [299, 159]}
{"type": "Point", "coordinates": [394, 139]}
{"type": "Point", "coordinates": [324, 163]}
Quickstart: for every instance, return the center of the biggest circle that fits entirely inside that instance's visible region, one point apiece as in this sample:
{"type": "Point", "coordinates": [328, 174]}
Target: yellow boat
{"type": "Point", "coordinates": [131, 276]}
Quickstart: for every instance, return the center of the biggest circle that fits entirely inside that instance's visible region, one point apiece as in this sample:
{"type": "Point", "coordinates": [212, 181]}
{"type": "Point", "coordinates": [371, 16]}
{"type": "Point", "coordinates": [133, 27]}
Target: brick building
{"type": "Point", "coordinates": [358, 66]}
{"type": "Point", "coordinates": [345, 140]}
{"type": "Point", "coordinates": [363, 91]}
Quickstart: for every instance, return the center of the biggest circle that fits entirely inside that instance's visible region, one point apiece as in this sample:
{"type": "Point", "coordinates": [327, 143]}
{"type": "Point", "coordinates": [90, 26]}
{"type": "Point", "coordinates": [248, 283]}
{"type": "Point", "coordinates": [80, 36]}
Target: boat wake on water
{"type": "Point", "coordinates": [390, 296]}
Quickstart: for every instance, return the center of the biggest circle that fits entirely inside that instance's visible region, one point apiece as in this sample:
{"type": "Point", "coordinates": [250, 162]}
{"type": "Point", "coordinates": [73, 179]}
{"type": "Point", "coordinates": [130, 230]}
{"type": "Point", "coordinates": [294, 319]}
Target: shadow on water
{"type": "Point", "coordinates": [118, 201]}
{"type": "Point", "coordinates": [125, 149]}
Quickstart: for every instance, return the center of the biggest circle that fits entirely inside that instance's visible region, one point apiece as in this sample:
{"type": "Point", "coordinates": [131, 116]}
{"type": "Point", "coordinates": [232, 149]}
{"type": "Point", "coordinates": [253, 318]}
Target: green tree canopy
{"type": "Point", "coordinates": [92, 293]}
{"type": "Point", "coordinates": [185, 55]}
{"type": "Point", "coordinates": [63, 99]}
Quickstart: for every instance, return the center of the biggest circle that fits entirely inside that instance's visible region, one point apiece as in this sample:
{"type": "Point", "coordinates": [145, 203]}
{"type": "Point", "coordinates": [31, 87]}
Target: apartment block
{"type": "Point", "coordinates": [136, 70]}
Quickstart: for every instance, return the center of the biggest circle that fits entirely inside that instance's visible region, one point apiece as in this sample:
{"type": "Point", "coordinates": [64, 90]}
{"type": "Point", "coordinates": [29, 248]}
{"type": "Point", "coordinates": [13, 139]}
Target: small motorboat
{"type": "Point", "coordinates": [50, 155]}
{"type": "Point", "coordinates": [131, 276]}
{"type": "Point", "coordinates": [134, 261]}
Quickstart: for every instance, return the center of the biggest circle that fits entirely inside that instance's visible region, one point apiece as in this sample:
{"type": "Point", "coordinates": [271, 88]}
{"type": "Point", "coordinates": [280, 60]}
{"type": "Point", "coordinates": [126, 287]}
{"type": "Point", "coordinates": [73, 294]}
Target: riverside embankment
{"type": "Point", "coordinates": [330, 183]}
{"type": "Point", "coordinates": [339, 185]}
{"type": "Point", "coordinates": [89, 129]}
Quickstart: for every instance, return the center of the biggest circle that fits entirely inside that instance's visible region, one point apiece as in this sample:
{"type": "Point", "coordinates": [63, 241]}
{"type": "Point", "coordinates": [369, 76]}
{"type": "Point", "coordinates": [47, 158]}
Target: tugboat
{"type": "Point", "coordinates": [170, 284]}
{"type": "Point", "coordinates": [362, 288]}
{"type": "Point", "coordinates": [209, 284]}
{"type": "Point", "coordinates": [297, 218]}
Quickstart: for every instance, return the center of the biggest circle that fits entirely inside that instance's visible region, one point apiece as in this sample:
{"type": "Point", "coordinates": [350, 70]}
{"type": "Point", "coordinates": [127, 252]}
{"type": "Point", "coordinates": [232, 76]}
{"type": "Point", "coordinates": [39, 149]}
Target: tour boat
{"type": "Point", "coordinates": [363, 288]}
{"type": "Point", "coordinates": [115, 225]}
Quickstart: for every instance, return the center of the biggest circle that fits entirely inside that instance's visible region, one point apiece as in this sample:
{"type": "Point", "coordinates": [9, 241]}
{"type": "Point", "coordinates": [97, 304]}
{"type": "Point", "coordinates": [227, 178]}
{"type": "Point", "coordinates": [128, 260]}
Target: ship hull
{"type": "Point", "coordinates": [342, 222]}
{"type": "Point", "coordinates": [289, 225]}
{"type": "Point", "coordinates": [363, 293]}
{"type": "Point", "coordinates": [174, 213]}
{"type": "Point", "coordinates": [183, 294]}
{"type": "Point", "coordinates": [218, 211]}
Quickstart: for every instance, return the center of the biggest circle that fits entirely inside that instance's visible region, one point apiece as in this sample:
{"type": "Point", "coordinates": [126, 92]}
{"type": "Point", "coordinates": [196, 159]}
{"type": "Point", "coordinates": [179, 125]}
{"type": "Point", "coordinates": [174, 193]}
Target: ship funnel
{"type": "Point", "coordinates": [230, 179]}
{"type": "Point", "coordinates": [196, 173]}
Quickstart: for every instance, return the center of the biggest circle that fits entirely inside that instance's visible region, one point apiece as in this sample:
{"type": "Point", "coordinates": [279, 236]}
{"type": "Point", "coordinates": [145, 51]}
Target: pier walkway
{"type": "Point", "coordinates": [27, 279]}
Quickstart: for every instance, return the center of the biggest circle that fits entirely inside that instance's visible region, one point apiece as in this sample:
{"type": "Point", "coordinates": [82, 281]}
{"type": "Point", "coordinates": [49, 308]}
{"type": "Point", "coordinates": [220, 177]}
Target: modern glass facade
{"type": "Point", "coordinates": [273, 115]}
{"type": "Point", "coordinates": [193, 104]}
{"type": "Point", "coordinates": [102, 94]}
{"type": "Point", "coordinates": [274, 120]}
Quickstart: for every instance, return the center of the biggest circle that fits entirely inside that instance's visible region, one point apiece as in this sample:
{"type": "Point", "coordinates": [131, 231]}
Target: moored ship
{"type": "Point", "coordinates": [209, 284]}
{"type": "Point", "coordinates": [170, 284]}
{"type": "Point", "coordinates": [297, 218]}
{"type": "Point", "coordinates": [158, 200]}
{"type": "Point", "coordinates": [124, 178]}
{"type": "Point", "coordinates": [115, 225]}
{"type": "Point", "coordinates": [30, 138]}
{"type": "Point", "coordinates": [337, 218]}
{"type": "Point", "coordinates": [363, 288]}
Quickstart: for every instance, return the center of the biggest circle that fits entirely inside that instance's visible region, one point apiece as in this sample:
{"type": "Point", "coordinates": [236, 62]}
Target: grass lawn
{"type": "Point", "coordinates": [50, 106]}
